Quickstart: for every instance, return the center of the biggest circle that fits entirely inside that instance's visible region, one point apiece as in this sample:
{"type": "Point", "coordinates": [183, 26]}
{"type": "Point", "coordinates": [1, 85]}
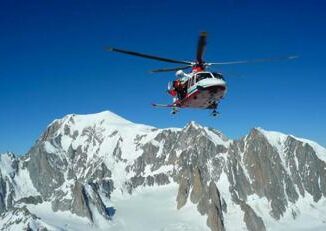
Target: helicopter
{"type": "Point", "coordinates": [198, 88]}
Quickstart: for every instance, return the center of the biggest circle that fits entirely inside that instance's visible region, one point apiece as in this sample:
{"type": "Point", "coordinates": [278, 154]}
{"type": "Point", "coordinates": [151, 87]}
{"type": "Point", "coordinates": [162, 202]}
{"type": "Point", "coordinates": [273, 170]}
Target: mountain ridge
{"type": "Point", "coordinates": [85, 166]}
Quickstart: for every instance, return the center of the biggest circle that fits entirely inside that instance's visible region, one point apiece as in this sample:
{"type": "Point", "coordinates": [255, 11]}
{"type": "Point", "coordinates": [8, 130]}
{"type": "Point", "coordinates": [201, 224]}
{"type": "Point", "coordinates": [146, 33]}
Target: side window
{"type": "Point", "coordinates": [197, 78]}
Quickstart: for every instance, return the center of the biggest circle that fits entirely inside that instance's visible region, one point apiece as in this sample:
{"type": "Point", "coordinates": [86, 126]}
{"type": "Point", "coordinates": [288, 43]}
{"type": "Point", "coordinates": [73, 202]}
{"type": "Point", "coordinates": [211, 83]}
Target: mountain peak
{"type": "Point", "coordinates": [271, 135]}
{"type": "Point", "coordinates": [278, 138]}
{"type": "Point", "coordinates": [107, 116]}
{"type": "Point", "coordinates": [193, 124]}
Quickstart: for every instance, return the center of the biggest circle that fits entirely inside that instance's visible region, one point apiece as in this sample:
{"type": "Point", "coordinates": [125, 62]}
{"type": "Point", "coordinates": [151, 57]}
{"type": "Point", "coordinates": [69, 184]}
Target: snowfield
{"type": "Point", "coordinates": [148, 209]}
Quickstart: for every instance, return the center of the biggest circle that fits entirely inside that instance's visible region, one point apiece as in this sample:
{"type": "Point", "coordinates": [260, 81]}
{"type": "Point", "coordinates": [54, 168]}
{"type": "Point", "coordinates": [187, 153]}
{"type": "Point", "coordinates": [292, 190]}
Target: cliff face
{"type": "Point", "coordinates": [85, 166]}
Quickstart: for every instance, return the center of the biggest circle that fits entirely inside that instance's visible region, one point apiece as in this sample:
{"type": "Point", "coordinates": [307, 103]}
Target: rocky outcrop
{"type": "Point", "coordinates": [31, 200]}
{"type": "Point", "coordinates": [215, 215]}
{"type": "Point", "coordinates": [3, 193]}
{"type": "Point", "coordinates": [7, 174]}
{"type": "Point", "coordinates": [80, 204]}
{"type": "Point", "coordinates": [307, 170]}
{"type": "Point", "coordinates": [48, 165]}
{"type": "Point", "coordinates": [266, 171]}
{"type": "Point", "coordinates": [253, 222]}
{"type": "Point", "coordinates": [184, 188]}
{"type": "Point", "coordinates": [21, 219]}
{"type": "Point", "coordinates": [204, 194]}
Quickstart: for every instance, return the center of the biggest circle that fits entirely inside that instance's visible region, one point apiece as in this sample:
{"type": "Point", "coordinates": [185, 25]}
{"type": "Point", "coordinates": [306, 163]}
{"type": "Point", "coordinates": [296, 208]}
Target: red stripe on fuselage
{"type": "Point", "coordinates": [201, 98]}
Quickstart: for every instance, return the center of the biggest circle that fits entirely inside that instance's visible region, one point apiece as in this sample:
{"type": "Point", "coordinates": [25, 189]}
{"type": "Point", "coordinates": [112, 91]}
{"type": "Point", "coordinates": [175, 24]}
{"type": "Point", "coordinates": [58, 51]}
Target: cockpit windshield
{"type": "Point", "coordinates": [218, 75]}
{"type": "Point", "coordinates": [203, 75]}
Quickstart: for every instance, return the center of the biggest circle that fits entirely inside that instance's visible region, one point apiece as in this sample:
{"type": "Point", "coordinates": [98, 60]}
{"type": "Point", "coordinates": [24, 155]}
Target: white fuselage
{"type": "Point", "coordinates": [204, 89]}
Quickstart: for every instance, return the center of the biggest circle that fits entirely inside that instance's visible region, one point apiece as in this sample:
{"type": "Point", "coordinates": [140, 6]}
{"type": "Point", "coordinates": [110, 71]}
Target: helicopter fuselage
{"type": "Point", "coordinates": [203, 90]}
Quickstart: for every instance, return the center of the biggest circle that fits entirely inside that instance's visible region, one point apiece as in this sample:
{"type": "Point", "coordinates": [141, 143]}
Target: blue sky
{"type": "Point", "coordinates": [53, 63]}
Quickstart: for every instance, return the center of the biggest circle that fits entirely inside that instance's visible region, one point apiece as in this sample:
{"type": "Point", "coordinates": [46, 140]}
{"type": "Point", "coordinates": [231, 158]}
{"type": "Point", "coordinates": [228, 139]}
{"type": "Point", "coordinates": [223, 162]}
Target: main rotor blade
{"type": "Point", "coordinates": [255, 60]}
{"type": "Point", "coordinates": [201, 47]}
{"type": "Point", "coordinates": [148, 56]}
{"type": "Point", "coordinates": [170, 69]}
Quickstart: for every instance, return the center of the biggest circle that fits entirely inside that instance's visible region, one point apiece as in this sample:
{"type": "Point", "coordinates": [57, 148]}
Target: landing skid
{"type": "Point", "coordinates": [175, 108]}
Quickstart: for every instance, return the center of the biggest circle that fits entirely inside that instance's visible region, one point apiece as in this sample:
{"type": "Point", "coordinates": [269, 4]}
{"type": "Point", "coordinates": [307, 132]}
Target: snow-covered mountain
{"type": "Point", "coordinates": [102, 172]}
